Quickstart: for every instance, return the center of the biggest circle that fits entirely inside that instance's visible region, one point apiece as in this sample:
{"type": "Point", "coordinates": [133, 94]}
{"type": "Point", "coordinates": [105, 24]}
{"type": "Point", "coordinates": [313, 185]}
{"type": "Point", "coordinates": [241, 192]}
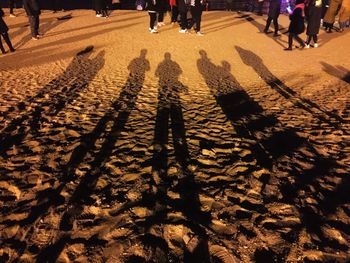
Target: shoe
{"type": "Point", "coordinates": [288, 49]}
{"type": "Point", "coordinates": [276, 35]}
{"type": "Point", "coordinates": [12, 50]}
{"type": "Point", "coordinates": [307, 46]}
{"type": "Point", "coordinates": [199, 33]}
{"type": "Point", "coordinates": [99, 15]}
{"type": "Point", "coordinates": [13, 15]}
{"type": "Point", "coordinates": [266, 31]}
{"type": "Point", "coordinates": [153, 31]}
{"type": "Point", "coordinates": [315, 45]}
{"type": "Point", "coordinates": [183, 31]}
{"type": "Point", "coordinates": [35, 38]}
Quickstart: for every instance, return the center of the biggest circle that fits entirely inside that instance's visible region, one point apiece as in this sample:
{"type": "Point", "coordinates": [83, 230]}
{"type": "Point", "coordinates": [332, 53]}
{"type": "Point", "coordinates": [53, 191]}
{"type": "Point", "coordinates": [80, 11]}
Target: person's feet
{"type": "Point", "coordinates": [276, 34]}
{"type": "Point", "coordinates": [288, 49]}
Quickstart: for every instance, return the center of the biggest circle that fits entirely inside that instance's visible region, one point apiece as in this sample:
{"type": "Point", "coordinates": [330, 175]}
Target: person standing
{"type": "Point", "coordinates": [274, 12]}
{"type": "Point", "coordinates": [332, 11]}
{"type": "Point", "coordinates": [3, 34]}
{"type": "Point", "coordinates": [183, 9]}
{"type": "Point", "coordinates": [101, 8]}
{"type": "Point", "coordinates": [33, 11]}
{"type": "Point", "coordinates": [313, 12]}
{"type": "Point", "coordinates": [11, 6]}
{"type": "Point", "coordinates": [196, 12]}
{"type": "Point", "coordinates": [296, 25]}
{"type": "Point", "coordinates": [344, 14]}
{"type": "Point", "coordinates": [152, 8]}
{"type": "Point", "coordinates": [174, 11]}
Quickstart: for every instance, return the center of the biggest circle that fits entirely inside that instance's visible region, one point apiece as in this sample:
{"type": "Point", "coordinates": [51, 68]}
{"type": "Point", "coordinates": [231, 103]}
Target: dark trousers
{"type": "Point", "coordinates": [34, 25]}
{"type": "Point", "coordinates": [196, 13]}
{"type": "Point", "coordinates": [56, 5]}
{"type": "Point", "coordinates": [313, 37]}
{"type": "Point", "coordinates": [8, 42]}
{"type": "Point", "coordinates": [11, 5]}
{"type": "Point", "coordinates": [183, 18]}
{"type": "Point", "coordinates": [152, 19]}
{"type": "Point", "coordinates": [174, 14]}
{"type": "Point", "coordinates": [296, 37]}
{"type": "Point", "coordinates": [160, 16]}
{"type": "Point", "coordinates": [275, 24]}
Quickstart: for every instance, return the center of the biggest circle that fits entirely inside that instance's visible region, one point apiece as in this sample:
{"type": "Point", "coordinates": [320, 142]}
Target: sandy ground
{"type": "Point", "coordinates": [118, 145]}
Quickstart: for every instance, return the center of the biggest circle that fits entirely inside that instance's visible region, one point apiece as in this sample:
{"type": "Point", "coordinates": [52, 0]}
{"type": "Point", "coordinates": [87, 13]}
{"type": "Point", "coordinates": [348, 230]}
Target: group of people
{"type": "Point", "coordinates": [315, 12]}
{"type": "Point", "coordinates": [157, 9]}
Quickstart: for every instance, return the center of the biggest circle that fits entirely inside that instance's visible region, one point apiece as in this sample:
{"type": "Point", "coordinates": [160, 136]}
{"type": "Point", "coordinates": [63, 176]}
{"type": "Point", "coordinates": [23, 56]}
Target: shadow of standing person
{"type": "Point", "coordinates": [60, 92]}
{"type": "Point", "coordinates": [170, 115]}
{"type": "Point", "coordinates": [118, 116]}
{"type": "Point", "coordinates": [238, 107]}
{"type": "Point", "coordinates": [254, 61]}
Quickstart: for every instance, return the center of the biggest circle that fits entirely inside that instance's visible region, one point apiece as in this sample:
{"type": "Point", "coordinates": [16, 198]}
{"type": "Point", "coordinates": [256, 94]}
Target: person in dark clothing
{"type": "Point", "coordinates": [152, 7]}
{"type": "Point", "coordinates": [313, 13]}
{"type": "Point", "coordinates": [33, 11]}
{"type": "Point", "coordinates": [196, 12]}
{"type": "Point", "coordinates": [162, 8]}
{"type": "Point", "coordinates": [183, 6]}
{"type": "Point", "coordinates": [332, 12]}
{"type": "Point", "coordinates": [296, 25]}
{"type": "Point", "coordinates": [174, 11]}
{"type": "Point", "coordinates": [274, 12]}
{"type": "Point", "coordinates": [56, 5]}
{"type": "Point", "coordinates": [101, 8]}
{"type": "Point", "coordinates": [11, 6]}
{"type": "Point", "coordinates": [3, 34]}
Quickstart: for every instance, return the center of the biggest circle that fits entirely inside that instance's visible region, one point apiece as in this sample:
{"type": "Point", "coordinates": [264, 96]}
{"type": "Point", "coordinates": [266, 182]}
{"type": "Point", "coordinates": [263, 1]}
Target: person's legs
{"type": "Point", "coordinates": [160, 17]}
{"type": "Point", "coordinates": [275, 24]}
{"type": "Point", "coordinates": [183, 17]}
{"type": "Point", "coordinates": [11, 6]}
{"type": "Point", "coordinates": [174, 14]}
{"type": "Point", "coordinates": [268, 23]}
{"type": "Point", "coordinates": [198, 17]}
{"type": "Point", "coordinates": [152, 19]}
{"type": "Point", "coordinates": [300, 41]}
{"type": "Point", "coordinates": [8, 41]}
{"type": "Point", "coordinates": [2, 47]}
{"type": "Point", "coordinates": [32, 25]}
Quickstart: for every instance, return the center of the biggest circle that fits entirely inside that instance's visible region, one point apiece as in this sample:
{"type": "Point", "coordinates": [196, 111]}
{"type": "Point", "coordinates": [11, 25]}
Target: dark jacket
{"type": "Point", "coordinates": [297, 25]}
{"type": "Point", "coordinates": [274, 8]}
{"type": "Point", "coordinates": [313, 16]}
{"type": "Point", "coordinates": [32, 7]}
{"type": "Point", "coordinates": [152, 6]}
{"type": "Point", "coordinates": [3, 26]}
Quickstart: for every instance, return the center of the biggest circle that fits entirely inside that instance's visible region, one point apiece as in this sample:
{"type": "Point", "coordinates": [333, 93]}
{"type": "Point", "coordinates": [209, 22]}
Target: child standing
{"type": "Point", "coordinates": [3, 33]}
{"type": "Point", "coordinates": [296, 25]}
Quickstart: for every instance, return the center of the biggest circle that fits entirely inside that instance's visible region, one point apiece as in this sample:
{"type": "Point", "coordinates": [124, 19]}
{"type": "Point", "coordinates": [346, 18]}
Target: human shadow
{"type": "Point", "coordinates": [44, 29]}
{"type": "Point", "coordinates": [246, 116]}
{"type": "Point", "coordinates": [118, 116]}
{"type": "Point", "coordinates": [254, 61]}
{"type": "Point", "coordinates": [261, 28]}
{"type": "Point", "coordinates": [337, 71]}
{"type": "Point", "coordinates": [61, 92]}
{"type": "Point", "coordinates": [170, 119]}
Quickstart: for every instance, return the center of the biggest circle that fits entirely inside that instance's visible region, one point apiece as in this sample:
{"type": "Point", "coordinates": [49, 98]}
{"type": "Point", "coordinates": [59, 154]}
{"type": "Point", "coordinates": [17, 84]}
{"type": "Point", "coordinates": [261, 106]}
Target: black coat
{"type": "Point", "coordinates": [274, 9]}
{"type": "Point", "coordinates": [296, 25]}
{"type": "Point", "coordinates": [32, 7]}
{"type": "Point", "coordinates": [3, 26]}
{"type": "Point", "coordinates": [313, 16]}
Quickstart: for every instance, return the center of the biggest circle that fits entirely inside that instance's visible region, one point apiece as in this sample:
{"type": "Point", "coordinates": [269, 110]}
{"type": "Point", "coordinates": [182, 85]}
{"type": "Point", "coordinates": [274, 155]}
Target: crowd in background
{"type": "Point", "coordinates": [315, 13]}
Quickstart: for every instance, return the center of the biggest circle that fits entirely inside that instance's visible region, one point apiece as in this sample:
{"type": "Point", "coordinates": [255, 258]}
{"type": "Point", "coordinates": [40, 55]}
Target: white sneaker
{"type": "Point", "coordinates": [315, 45]}
{"type": "Point", "coordinates": [199, 33]}
{"type": "Point", "coordinates": [99, 15]}
{"type": "Point", "coordinates": [307, 46]}
{"type": "Point", "coordinates": [183, 31]}
{"type": "Point", "coordinates": [153, 31]}
{"type": "Point", "coordinates": [159, 24]}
